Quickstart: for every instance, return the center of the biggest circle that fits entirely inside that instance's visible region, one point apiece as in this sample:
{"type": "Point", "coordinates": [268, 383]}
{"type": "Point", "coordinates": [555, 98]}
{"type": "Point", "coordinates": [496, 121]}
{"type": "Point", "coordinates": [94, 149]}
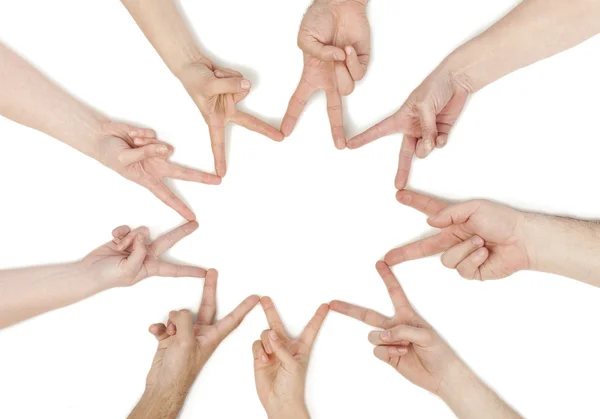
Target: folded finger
{"type": "Point", "coordinates": [457, 253]}
{"type": "Point", "coordinates": [159, 331]}
{"type": "Point", "coordinates": [260, 356]}
{"type": "Point", "coordinates": [344, 81]}
{"type": "Point", "coordinates": [134, 155]}
{"type": "Point", "coordinates": [469, 267]}
{"type": "Point", "coordinates": [355, 67]}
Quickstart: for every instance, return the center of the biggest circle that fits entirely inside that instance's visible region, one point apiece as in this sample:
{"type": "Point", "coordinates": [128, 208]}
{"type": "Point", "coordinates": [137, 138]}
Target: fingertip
{"type": "Point", "coordinates": [381, 266]}
{"type": "Point", "coordinates": [273, 335]}
{"type": "Point", "coordinates": [212, 273]}
{"type": "Point", "coordinates": [193, 225]}
{"type": "Point", "coordinates": [349, 50]}
{"type": "Point", "coordinates": [403, 197]}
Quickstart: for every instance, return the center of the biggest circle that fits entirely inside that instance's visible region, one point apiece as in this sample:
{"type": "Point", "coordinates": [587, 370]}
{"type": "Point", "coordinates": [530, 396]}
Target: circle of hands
{"type": "Point", "coordinates": [479, 239]}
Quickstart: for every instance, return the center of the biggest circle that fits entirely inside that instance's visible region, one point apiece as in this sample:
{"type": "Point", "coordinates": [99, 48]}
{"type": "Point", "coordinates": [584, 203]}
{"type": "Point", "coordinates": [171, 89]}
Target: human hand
{"type": "Point", "coordinates": [480, 239]}
{"type": "Point", "coordinates": [426, 119]}
{"type": "Point", "coordinates": [407, 343]}
{"type": "Point", "coordinates": [184, 346]}
{"type": "Point", "coordinates": [281, 364]}
{"type": "Point", "coordinates": [335, 37]}
{"type": "Point", "coordinates": [136, 154]}
{"type": "Point", "coordinates": [128, 259]}
{"type": "Point", "coordinates": [216, 91]}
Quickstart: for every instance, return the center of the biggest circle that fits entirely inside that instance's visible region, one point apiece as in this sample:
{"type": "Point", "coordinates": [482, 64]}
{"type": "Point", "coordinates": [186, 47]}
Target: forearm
{"type": "Point", "coordinates": [158, 405]}
{"type": "Point", "coordinates": [165, 28]}
{"type": "Point", "coordinates": [30, 98]}
{"type": "Point", "coordinates": [25, 293]}
{"type": "Point", "coordinates": [564, 246]}
{"type": "Point", "coordinates": [534, 30]}
{"type": "Point", "coordinates": [299, 412]}
{"type": "Point", "coordinates": [471, 398]}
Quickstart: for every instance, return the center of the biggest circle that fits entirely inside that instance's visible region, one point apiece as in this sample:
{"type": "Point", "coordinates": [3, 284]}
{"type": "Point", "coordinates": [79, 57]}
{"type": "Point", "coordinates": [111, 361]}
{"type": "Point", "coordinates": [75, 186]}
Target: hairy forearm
{"type": "Point", "coordinates": [25, 293]}
{"type": "Point", "coordinates": [165, 28]}
{"type": "Point", "coordinates": [158, 405]}
{"type": "Point", "coordinates": [471, 398]}
{"type": "Point", "coordinates": [30, 98]}
{"type": "Point", "coordinates": [534, 30]}
{"type": "Point", "coordinates": [564, 246]}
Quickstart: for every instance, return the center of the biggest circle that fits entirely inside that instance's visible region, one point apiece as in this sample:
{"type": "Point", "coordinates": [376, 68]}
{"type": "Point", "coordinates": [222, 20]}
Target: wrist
{"type": "Point", "coordinates": [363, 2]}
{"type": "Point", "coordinates": [459, 383]}
{"type": "Point", "coordinates": [295, 411]}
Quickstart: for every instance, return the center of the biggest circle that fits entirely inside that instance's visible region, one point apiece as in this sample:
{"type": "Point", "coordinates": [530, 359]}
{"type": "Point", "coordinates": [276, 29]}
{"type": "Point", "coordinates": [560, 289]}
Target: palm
{"type": "Point", "coordinates": [139, 156]}
{"type": "Point", "coordinates": [128, 258]}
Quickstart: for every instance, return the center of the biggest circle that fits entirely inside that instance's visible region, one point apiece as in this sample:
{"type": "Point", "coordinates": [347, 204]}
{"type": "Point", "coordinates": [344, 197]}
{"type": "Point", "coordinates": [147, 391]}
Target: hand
{"type": "Point", "coordinates": [336, 40]}
{"type": "Point", "coordinates": [136, 154]}
{"type": "Point", "coordinates": [408, 343]}
{"type": "Point", "coordinates": [480, 239]}
{"type": "Point", "coordinates": [426, 119]}
{"type": "Point", "coordinates": [280, 364]}
{"type": "Point", "coordinates": [184, 346]}
{"type": "Point", "coordinates": [216, 92]}
{"type": "Point", "coordinates": [127, 259]}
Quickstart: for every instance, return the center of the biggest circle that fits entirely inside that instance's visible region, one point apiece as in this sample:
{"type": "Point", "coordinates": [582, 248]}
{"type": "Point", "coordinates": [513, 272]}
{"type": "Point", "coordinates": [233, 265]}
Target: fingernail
{"type": "Point", "coordinates": [442, 141]}
{"type": "Point", "coordinates": [477, 241]}
{"type": "Point", "coordinates": [265, 359]}
{"type": "Point", "coordinates": [401, 351]}
{"type": "Point", "coordinates": [133, 133]}
{"type": "Point", "coordinates": [348, 50]}
{"type": "Point", "coordinates": [432, 218]}
{"type": "Point", "coordinates": [481, 253]}
{"type": "Point", "coordinates": [337, 56]}
{"type": "Point", "coordinates": [428, 145]}
{"type": "Point", "coordinates": [405, 199]}
{"type": "Point", "coordinates": [163, 149]}
{"type": "Point", "coordinates": [245, 84]}
{"type": "Point", "coordinates": [385, 335]}
{"type": "Point", "coordinates": [273, 335]}
{"type": "Point", "coordinates": [219, 73]}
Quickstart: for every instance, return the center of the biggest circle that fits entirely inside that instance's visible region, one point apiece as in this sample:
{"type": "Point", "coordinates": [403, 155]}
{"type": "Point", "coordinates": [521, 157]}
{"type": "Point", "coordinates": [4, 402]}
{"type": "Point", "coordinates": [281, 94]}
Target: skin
{"type": "Point", "coordinates": [184, 347]}
{"type": "Point", "coordinates": [414, 349]}
{"type": "Point", "coordinates": [281, 364]}
{"type": "Point", "coordinates": [483, 240]}
{"type": "Point", "coordinates": [432, 109]}
{"type": "Point", "coordinates": [335, 38]}
{"type": "Point", "coordinates": [215, 90]}
{"type": "Point", "coordinates": [122, 262]}
{"type": "Point", "coordinates": [29, 98]}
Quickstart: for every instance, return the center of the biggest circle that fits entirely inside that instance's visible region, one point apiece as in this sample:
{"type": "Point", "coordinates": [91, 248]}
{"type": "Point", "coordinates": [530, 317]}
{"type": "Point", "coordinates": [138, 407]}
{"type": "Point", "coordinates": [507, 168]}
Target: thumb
{"type": "Point", "coordinates": [454, 214]}
{"type": "Point", "coordinates": [312, 46]}
{"type": "Point", "coordinates": [231, 85]}
{"type": "Point", "coordinates": [282, 354]}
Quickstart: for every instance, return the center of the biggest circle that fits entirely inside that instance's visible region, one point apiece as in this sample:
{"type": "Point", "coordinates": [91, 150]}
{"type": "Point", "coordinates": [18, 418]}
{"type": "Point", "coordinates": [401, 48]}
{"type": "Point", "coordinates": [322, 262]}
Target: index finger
{"type": "Point", "coordinates": [208, 306]}
{"type": "Point", "coordinates": [393, 286]}
{"type": "Point", "coordinates": [314, 325]}
{"type": "Point", "coordinates": [175, 171]}
{"type": "Point", "coordinates": [382, 129]}
{"type": "Point", "coordinates": [273, 318]}
{"type": "Point", "coordinates": [336, 117]}
{"type": "Point", "coordinates": [162, 192]}
{"type": "Point", "coordinates": [166, 241]}
{"type": "Point", "coordinates": [365, 315]}
{"type": "Point", "coordinates": [421, 248]}
{"type": "Point", "coordinates": [297, 103]}
{"type": "Point", "coordinates": [407, 151]}
{"type": "Point", "coordinates": [217, 141]}
{"type": "Point", "coordinates": [254, 124]}
{"type": "Point", "coordinates": [230, 322]}
{"type": "Point", "coordinates": [426, 204]}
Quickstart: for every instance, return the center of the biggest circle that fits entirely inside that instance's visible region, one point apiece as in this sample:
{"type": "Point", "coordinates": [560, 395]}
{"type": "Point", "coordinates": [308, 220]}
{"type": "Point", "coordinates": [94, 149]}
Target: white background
{"type": "Point", "coordinates": [298, 221]}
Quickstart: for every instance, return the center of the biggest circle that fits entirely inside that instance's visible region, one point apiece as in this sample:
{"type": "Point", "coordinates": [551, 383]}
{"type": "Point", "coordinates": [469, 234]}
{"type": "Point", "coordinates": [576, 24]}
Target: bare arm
{"type": "Point", "coordinates": [29, 98]}
{"type": "Point", "coordinates": [533, 31]}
